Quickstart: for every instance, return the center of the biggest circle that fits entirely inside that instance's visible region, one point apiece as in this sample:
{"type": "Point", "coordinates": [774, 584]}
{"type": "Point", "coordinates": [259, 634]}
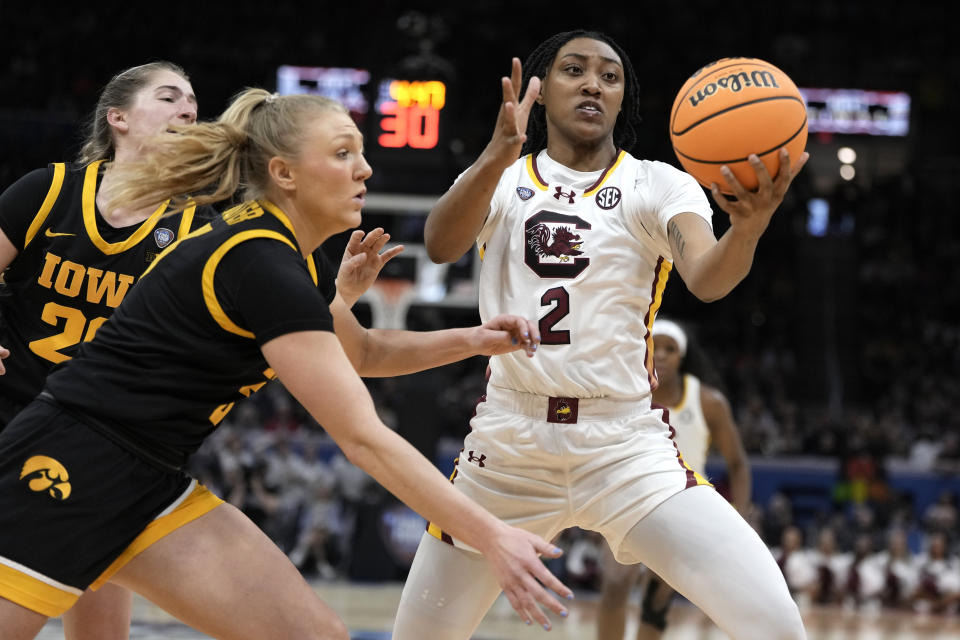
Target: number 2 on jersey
{"type": "Point", "coordinates": [549, 335]}
{"type": "Point", "coordinates": [73, 331]}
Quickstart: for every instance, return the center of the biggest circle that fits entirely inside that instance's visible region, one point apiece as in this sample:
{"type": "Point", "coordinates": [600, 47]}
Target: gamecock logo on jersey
{"type": "Point", "coordinates": [553, 245]}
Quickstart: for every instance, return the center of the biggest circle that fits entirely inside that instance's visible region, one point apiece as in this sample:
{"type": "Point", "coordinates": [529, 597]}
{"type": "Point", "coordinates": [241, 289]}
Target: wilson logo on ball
{"type": "Point", "coordinates": [735, 82]}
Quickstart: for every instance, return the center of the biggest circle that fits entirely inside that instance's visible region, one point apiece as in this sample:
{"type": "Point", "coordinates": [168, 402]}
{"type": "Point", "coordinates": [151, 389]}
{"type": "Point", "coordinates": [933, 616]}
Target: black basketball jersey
{"type": "Point", "coordinates": [72, 269]}
{"type": "Point", "coordinates": [185, 345]}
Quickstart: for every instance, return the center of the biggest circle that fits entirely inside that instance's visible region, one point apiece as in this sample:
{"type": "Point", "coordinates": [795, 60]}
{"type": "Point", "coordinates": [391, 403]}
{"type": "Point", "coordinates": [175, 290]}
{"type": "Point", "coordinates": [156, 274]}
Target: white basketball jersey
{"type": "Point", "coordinates": [692, 434]}
{"type": "Point", "coordinates": [586, 254]}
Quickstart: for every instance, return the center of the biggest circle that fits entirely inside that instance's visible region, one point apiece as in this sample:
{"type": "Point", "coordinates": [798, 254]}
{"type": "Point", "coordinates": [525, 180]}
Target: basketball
{"type": "Point", "coordinates": [731, 108]}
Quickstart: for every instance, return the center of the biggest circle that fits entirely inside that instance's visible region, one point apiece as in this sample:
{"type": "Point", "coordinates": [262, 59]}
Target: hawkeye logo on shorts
{"type": "Point", "coordinates": [163, 237]}
{"type": "Point", "coordinates": [46, 474]}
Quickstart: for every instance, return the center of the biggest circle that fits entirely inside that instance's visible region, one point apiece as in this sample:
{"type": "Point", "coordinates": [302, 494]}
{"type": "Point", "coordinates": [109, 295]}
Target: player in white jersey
{"type": "Point", "coordinates": [700, 418]}
{"type": "Point", "coordinates": [583, 235]}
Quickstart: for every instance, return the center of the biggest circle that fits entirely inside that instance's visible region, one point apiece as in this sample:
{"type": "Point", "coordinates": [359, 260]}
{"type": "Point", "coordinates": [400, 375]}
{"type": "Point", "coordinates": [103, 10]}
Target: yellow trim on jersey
{"type": "Point", "coordinates": [606, 175]}
{"type": "Point", "coordinates": [210, 296]}
{"type": "Point", "coordinates": [35, 594]}
{"type": "Point", "coordinates": [186, 221]}
{"type": "Point", "coordinates": [279, 215]}
{"type": "Point", "coordinates": [199, 502]}
{"type": "Point", "coordinates": [659, 287]}
{"type": "Point", "coordinates": [683, 395]}
{"type": "Point", "coordinates": [89, 206]}
{"type": "Point", "coordinates": [285, 221]}
{"type": "Point", "coordinates": [196, 232]}
{"type": "Point", "coordinates": [533, 174]}
{"type": "Point", "coordinates": [59, 171]}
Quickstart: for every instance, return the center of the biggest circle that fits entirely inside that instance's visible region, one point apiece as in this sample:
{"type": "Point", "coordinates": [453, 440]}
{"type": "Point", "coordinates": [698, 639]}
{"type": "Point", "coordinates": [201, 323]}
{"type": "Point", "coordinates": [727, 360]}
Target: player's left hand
{"type": "Point", "coordinates": [506, 333]}
{"type": "Point", "coordinates": [362, 261]}
{"type": "Point", "coordinates": [751, 212]}
{"type": "Point", "coordinates": [4, 353]}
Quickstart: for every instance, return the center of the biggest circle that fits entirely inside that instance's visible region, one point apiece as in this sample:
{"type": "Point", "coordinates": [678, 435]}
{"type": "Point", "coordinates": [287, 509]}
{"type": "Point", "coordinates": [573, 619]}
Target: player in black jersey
{"type": "Point", "coordinates": [95, 463]}
{"type": "Point", "coordinates": [69, 260]}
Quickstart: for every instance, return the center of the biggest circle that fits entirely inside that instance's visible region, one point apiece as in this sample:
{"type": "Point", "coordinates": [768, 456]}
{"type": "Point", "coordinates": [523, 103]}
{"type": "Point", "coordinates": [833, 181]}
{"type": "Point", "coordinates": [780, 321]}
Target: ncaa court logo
{"type": "Point", "coordinates": [163, 237]}
{"type": "Point", "coordinates": [46, 474]}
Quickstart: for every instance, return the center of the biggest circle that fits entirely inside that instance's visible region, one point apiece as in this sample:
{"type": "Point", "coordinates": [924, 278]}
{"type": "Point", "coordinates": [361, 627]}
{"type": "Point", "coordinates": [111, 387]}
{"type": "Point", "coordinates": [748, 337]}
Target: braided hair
{"type": "Point", "coordinates": [538, 64]}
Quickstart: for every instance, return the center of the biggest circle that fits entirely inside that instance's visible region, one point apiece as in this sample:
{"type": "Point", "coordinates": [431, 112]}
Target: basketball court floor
{"type": "Point", "coordinates": [368, 611]}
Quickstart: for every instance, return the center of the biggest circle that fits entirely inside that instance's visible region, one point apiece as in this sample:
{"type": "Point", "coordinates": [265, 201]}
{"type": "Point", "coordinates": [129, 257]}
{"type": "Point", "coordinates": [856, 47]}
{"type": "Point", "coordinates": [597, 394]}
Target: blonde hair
{"type": "Point", "coordinates": [98, 142]}
{"type": "Point", "coordinates": [212, 160]}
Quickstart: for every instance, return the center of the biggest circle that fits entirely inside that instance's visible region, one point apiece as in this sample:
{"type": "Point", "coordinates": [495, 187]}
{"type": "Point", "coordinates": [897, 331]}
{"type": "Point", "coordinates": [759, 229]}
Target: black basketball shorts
{"type": "Point", "coordinates": [75, 508]}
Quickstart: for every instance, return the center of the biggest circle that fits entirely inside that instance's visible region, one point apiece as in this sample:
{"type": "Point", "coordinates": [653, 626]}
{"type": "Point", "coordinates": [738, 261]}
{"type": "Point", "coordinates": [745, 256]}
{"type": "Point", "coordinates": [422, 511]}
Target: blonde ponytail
{"type": "Point", "coordinates": [209, 162]}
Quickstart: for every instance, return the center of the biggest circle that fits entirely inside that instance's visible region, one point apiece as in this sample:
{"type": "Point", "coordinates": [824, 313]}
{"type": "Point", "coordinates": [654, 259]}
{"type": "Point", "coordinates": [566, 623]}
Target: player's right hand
{"type": "Point", "coordinates": [3, 354]}
{"type": "Point", "coordinates": [514, 557]}
{"type": "Point", "coordinates": [510, 132]}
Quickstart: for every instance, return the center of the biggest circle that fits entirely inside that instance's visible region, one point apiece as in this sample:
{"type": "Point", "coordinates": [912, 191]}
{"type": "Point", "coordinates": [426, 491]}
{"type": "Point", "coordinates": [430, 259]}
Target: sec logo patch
{"type": "Point", "coordinates": [525, 193]}
{"type": "Point", "coordinates": [608, 197]}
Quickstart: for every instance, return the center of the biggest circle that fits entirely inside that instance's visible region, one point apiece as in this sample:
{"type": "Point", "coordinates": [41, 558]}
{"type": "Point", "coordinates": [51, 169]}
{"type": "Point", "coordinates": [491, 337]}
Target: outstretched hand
{"type": "Point", "coordinates": [513, 555]}
{"type": "Point", "coordinates": [510, 132]}
{"type": "Point", "coordinates": [752, 210]}
{"type": "Point", "coordinates": [505, 333]}
{"type": "Point", "coordinates": [362, 261]}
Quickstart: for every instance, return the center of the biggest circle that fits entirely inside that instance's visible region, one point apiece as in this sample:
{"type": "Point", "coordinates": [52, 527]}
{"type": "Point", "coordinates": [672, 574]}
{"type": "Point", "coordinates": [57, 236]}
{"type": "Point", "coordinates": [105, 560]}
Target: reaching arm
{"type": "Point", "coordinates": [456, 219]}
{"type": "Point", "coordinates": [315, 370]}
{"type": "Point", "coordinates": [712, 268]}
{"type": "Point", "coordinates": [726, 438]}
{"type": "Point", "coordinates": [381, 353]}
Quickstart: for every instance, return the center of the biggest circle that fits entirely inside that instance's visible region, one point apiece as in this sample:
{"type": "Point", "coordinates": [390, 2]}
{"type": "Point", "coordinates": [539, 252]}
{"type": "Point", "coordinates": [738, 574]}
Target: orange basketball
{"type": "Point", "coordinates": [731, 108]}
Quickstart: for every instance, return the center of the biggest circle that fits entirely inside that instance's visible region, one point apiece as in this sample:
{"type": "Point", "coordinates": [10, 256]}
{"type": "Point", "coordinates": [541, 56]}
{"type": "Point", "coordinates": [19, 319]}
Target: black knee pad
{"type": "Point", "coordinates": [655, 618]}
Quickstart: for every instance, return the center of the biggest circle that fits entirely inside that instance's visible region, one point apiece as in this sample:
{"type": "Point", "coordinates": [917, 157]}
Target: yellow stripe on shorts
{"type": "Point", "coordinates": [46, 597]}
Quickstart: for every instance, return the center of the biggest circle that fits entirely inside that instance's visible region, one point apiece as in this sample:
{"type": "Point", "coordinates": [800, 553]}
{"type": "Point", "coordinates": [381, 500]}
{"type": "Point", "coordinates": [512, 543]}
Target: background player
{"type": "Point", "coordinates": [237, 303]}
{"type": "Point", "coordinates": [69, 259]}
{"type": "Point", "coordinates": [701, 418]}
{"type": "Point", "coordinates": [582, 235]}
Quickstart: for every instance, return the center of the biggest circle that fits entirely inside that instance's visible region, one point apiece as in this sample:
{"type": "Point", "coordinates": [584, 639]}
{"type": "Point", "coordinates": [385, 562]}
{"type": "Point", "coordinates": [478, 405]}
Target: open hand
{"type": "Point", "coordinates": [505, 333]}
{"type": "Point", "coordinates": [514, 558]}
{"type": "Point", "coordinates": [510, 132]}
{"type": "Point", "coordinates": [752, 210]}
{"type": "Point", "coordinates": [362, 261]}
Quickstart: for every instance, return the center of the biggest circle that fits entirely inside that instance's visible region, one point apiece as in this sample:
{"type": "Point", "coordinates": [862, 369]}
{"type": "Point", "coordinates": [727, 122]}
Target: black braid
{"type": "Point", "coordinates": [538, 63]}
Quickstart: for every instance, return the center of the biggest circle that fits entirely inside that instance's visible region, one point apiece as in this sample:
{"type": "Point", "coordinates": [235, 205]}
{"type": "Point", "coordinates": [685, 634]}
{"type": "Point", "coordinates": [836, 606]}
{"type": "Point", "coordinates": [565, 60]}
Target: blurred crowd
{"type": "Point", "coordinates": [868, 548]}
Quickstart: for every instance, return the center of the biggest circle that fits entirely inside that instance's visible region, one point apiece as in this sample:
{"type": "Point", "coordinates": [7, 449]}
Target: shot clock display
{"type": "Point", "coordinates": [402, 122]}
{"type": "Point", "coordinates": [410, 113]}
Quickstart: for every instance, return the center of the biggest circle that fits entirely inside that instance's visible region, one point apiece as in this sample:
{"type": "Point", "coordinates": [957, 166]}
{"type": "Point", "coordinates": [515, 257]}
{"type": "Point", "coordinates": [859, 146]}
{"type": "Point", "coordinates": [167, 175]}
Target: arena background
{"type": "Point", "coordinates": [839, 352]}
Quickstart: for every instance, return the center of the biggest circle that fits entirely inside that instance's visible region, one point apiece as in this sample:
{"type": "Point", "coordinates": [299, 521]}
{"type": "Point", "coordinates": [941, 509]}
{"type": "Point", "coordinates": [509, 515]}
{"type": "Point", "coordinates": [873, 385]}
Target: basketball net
{"type": "Point", "coordinates": [390, 299]}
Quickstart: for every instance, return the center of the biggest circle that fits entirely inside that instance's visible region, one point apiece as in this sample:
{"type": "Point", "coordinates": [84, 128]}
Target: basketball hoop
{"type": "Point", "coordinates": [390, 299]}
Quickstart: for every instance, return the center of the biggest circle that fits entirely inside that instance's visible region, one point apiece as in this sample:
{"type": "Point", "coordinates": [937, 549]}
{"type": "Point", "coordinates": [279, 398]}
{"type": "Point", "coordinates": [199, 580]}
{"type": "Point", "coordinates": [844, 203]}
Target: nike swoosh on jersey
{"type": "Point", "coordinates": [50, 233]}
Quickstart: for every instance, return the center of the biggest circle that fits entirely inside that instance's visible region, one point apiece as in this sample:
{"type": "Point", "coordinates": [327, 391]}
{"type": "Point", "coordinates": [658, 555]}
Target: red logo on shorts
{"type": "Point", "coordinates": [478, 459]}
{"type": "Point", "coordinates": [563, 410]}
